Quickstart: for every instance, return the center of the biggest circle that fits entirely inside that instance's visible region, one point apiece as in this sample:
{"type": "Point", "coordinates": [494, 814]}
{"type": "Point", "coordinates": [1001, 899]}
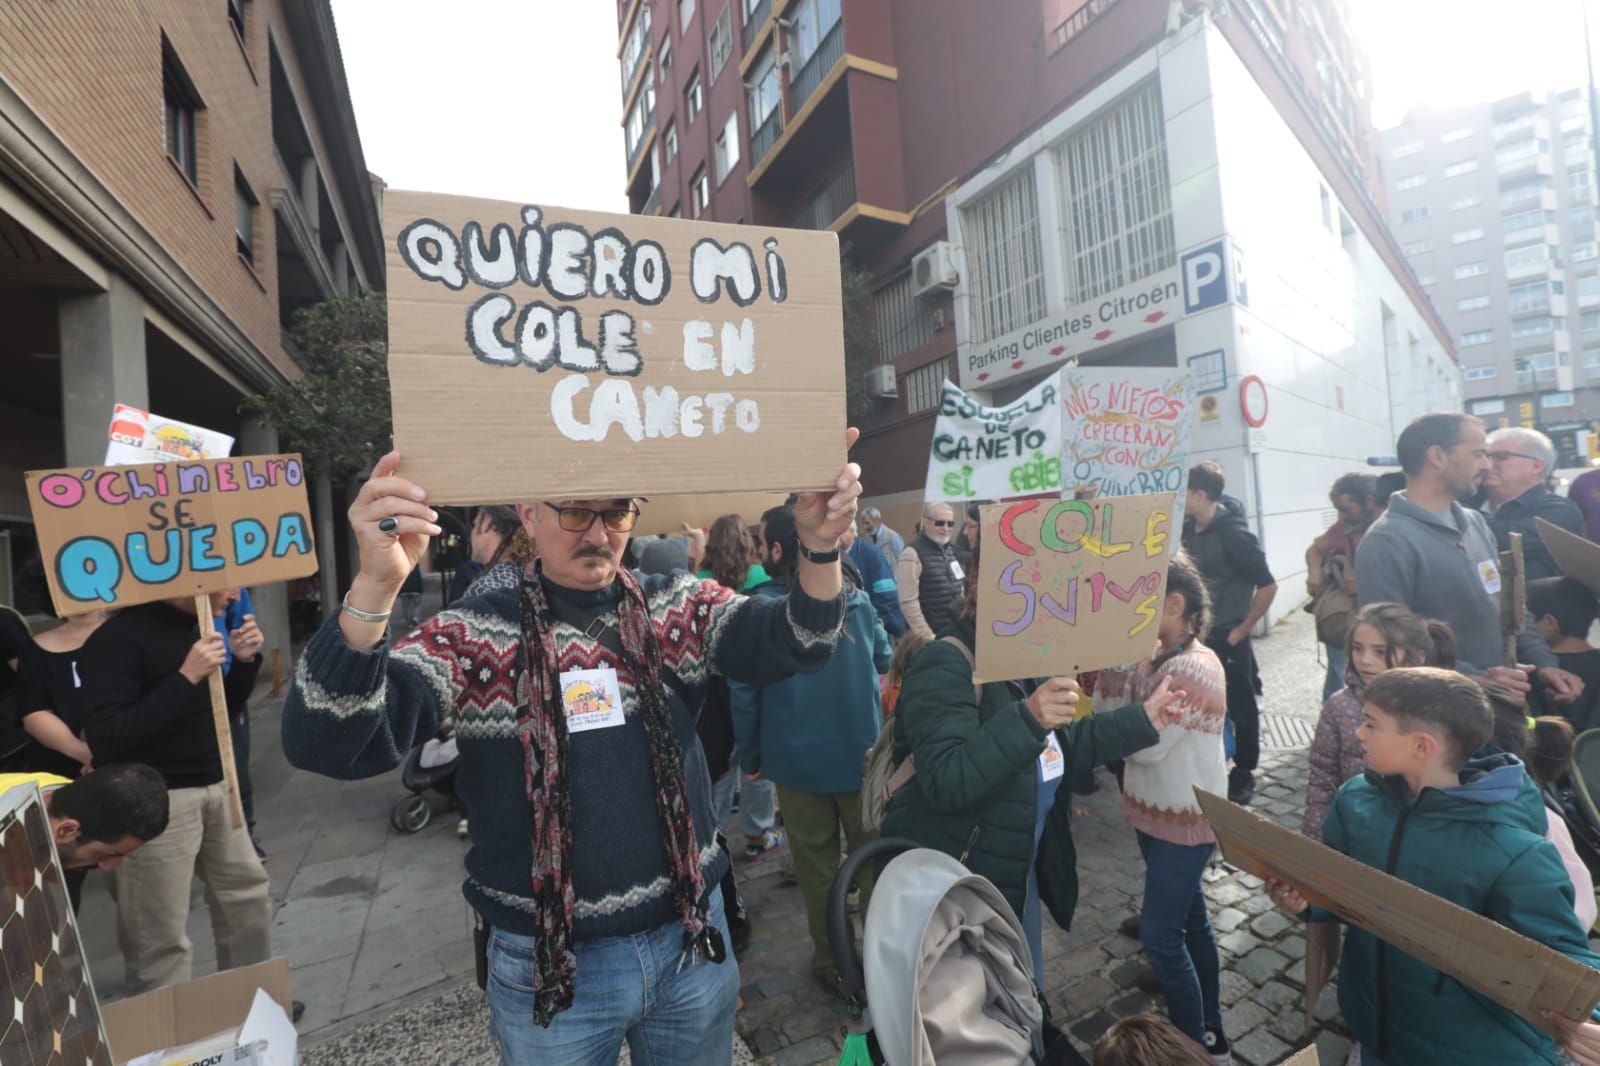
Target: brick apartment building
{"type": "Point", "coordinates": [176, 178]}
{"type": "Point", "coordinates": [999, 166]}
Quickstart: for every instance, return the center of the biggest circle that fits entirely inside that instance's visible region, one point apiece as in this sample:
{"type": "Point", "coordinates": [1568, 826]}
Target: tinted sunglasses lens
{"type": "Point", "coordinates": [620, 521]}
{"type": "Point", "coordinates": [575, 519]}
{"type": "Point", "coordinates": [943, 525]}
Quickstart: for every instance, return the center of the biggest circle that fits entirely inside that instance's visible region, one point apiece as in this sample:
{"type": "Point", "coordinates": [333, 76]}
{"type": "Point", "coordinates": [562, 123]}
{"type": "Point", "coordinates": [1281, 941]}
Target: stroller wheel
{"type": "Point", "coordinates": [410, 815]}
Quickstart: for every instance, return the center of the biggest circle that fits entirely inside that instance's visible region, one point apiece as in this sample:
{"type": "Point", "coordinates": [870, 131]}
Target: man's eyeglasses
{"type": "Point", "coordinates": [1500, 457]}
{"type": "Point", "coordinates": [941, 524]}
{"type": "Point", "coordinates": [579, 519]}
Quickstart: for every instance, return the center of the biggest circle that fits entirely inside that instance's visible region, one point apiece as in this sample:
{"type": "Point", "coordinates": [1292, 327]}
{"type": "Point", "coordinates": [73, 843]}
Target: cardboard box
{"type": "Point", "coordinates": [183, 1014]}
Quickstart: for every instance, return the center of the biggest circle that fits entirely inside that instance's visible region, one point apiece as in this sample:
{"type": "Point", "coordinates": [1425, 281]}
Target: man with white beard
{"type": "Point", "coordinates": [930, 579]}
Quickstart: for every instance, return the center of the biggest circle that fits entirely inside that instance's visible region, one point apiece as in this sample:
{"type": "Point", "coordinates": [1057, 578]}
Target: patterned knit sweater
{"type": "Point", "coordinates": [354, 714]}
{"type": "Point", "coordinates": [1158, 784]}
{"type": "Point", "coordinates": [1336, 755]}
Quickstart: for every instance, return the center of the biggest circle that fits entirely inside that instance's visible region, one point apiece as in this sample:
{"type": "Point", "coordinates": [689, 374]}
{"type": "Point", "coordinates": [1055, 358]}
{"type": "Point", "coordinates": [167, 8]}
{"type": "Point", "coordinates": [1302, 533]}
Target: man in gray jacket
{"type": "Point", "coordinates": [1439, 558]}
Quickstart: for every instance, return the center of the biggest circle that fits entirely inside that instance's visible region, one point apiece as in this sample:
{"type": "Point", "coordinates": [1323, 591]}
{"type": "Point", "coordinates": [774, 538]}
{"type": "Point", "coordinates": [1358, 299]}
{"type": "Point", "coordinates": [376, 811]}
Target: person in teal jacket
{"type": "Point", "coordinates": [1479, 843]}
{"type": "Point", "coordinates": [809, 734]}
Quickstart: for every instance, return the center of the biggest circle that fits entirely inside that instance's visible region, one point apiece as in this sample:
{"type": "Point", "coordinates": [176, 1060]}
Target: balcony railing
{"type": "Point", "coordinates": [831, 201]}
{"type": "Point", "coordinates": [652, 203]}
{"type": "Point", "coordinates": [810, 76]}
{"type": "Point", "coordinates": [644, 138]}
{"type": "Point", "coordinates": [753, 21]}
{"type": "Point", "coordinates": [766, 135]}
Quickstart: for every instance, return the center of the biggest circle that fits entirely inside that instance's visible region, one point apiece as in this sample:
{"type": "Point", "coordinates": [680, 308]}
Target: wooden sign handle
{"type": "Point", "coordinates": [1513, 597]}
{"type": "Point", "coordinates": [219, 717]}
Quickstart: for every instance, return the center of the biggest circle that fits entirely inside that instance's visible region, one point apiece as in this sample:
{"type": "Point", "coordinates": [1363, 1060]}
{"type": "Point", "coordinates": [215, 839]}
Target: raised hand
{"type": "Point", "coordinates": [1054, 703]}
{"type": "Point", "coordinates": [1164, 705]}
{"type": "Point", "coordinates": [388, 555]}
{"type": "Point", "coordinates": [821, 518]}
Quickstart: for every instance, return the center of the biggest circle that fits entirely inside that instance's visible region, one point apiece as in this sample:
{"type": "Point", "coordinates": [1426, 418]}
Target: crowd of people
{"type": "Point", "coordinates": [615, 701]}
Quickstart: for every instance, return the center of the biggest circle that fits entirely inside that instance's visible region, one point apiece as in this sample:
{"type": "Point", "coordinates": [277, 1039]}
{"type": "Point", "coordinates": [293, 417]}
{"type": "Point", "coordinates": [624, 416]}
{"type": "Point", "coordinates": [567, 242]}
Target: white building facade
{"type": "Point", "coordinates": [1172, 217]}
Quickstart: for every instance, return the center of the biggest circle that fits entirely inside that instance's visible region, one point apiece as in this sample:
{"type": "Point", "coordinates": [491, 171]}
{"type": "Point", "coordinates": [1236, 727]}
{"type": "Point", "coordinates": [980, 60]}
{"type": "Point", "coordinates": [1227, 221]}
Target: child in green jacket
{"type": "Point", "coordinates": [1469, 829]}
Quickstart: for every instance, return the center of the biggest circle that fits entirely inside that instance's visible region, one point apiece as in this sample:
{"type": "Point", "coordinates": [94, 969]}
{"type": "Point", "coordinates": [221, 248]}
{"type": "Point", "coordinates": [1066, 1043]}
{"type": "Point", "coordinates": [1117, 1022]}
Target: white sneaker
{"type": "Point", "coordinates": [1217, 1047]}
{"type": "Point", "coordinates": [461, 828]}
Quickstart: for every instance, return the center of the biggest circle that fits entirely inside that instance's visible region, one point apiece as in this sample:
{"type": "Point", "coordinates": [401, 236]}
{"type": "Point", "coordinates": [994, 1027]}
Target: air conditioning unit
{"type": "Point", "coordinates": [933, 271]}
{"type": "Point", "coordinates": [882, 383]}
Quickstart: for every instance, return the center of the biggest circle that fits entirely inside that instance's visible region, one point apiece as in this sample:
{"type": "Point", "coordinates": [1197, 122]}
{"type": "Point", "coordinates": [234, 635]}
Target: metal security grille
{"type": "Point", "coordinates": [924, 386]}
{"type": "Point", "coordinates": [904, 322]}
{"type": "Point", "coordinates": [1005, 258]}
{"type": "Point", "coordinates": [1284, 732]}
{"type": "Point", "coordinates": [1116, 199]}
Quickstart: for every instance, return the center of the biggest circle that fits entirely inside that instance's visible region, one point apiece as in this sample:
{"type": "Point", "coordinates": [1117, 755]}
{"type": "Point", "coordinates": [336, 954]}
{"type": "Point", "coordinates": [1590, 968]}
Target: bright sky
{"type": "Point", "coordinates": [1455, 52]}
{"type": "Point", "coordinates": [507, 99]}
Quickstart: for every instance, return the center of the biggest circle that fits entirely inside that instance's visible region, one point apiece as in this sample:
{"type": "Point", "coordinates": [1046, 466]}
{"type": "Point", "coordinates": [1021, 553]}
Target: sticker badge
{"type": "Point", "coordinates": [956, 571]}
{"type": "Point", "coordinates": [1052, 761]}
{"type": "Point", "coordinates": [592, 698]}
{"type": "Point", "coordinates": [1489, 574]}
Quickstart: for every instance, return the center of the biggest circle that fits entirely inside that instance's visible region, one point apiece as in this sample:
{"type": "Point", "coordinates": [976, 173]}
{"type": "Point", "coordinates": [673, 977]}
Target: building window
{"type": "Point", "coordinates": [1412, 181]}
{"type": "Point", "coordinates": [1416, 247]}
{"type": "Point", "coordinates": [1116, 204]}
{"type": "Point", "coordinates": [1488, 407]}
{"type": "Point", "coordinates": [763, 87]}
{"type": "Point", "coordinates": [812, 21]}
{"type": "Point", "coordinates": [1518, 260]}
{"type": "Point", "coordinates": [677, 210]}
{"type": "Point", "coordinates": [1466, 166]}
{"type": "Point", "coordinates": [1513, 154]}
{"type": "Point", "coordinates": [1472, 303]}
{"type": "Point", "coordinates": [1556, 399]}
{"type": "Point", "coordinates": [1404, 150]}
{"type": "Point", "coordinates": [1584, 251]}
{"type": "Point", "coordinates": [1532, 296]}
{"type": "Point", "coordinates": [182, 105]}
{"type": "Point", "coordinates": [1479, 373]}
{"type": "Point", "coordinates": [1005, 258]}
{"type": "Point", "coordinates": [1465, 202]}
{"type": "Point", "coordinates": [664, 58]}
{"type": "Point", "coordinates": [1472, 270]}
{"type": "Point", "coordinates": [728, 147]}
{"type": "Point", "coordinates": [639, 120]}
{"type": "Point", "coordinates": [925, 385]}
{"type": "Point", "coordinates": [1544, 364]}
{"type": "Point", "coordinates": [1482, 336]}
{"type": "Point", "coordinates": [244, 215]}
{"type": "Point", "coordinates": [904, 322]}
{"type": "Point", "coordinates": [699, 192]}
{"type": "Point", "coordinates": [236, 16]}
{"type": "Point", "coordinates": [1532, 327]}
{"type": "Point", "coordinates": [1414, 214]}
{"type": "Point", "coordinates": [685, 15]}
{"type": "Point", "coordinates": [671, 140]}
{"type": "Point", "coordinates": [693, 100]}
{"type": "Point", "coordinates": [1591, 359]}
{"type": "Point", "coordinates": [1460, 133]}
{"type": "Point", "coordinates": [633, 49]}
{"type": "Point", "coordinates": [1466, 236]}
{"type": "Point", "coordinates": [721, 42]}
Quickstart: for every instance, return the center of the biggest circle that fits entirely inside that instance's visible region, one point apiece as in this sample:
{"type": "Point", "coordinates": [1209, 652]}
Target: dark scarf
{"type": "Point", "coordinates": [542, 725]}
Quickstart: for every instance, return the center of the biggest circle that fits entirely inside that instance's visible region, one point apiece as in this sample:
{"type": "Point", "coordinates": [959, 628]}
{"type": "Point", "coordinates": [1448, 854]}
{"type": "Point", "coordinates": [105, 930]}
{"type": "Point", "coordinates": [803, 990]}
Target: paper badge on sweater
{"type": "Point", "coordinates": [592, 698]}
{"type": "Point", "coordinates": [1052, 760]}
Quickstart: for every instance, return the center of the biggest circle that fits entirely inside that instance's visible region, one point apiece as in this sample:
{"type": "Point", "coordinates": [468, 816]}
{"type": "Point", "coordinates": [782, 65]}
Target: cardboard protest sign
{"type": "Point", "coordinates": [1503, 966]}
{"type": "Point", "coordinates": [669, 514]}
{"type": "Point", "coordinates": [996, 453]}
{"type": "Point", "coordinates": [137, 436]}
{"type": "Point", "coordinates": [1126, 431]}
{"type": "Point", "coordinates": [1308, 1057]}
{"type": "Point", "coordinates": [1578, 557]}
{"type": "Point", "coordinates": [537, 352]}
{"type": "Point", "coordinates": [1070, 585]}
{"type": "Point", "coordinates": [121, 535]}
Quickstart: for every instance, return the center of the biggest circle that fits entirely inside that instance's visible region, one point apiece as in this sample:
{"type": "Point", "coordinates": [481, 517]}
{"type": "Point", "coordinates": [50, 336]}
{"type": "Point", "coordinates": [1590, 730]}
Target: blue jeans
{"type": "Point", "coordinates": [1335, 679]}
{"type": "Point", "coordinates": [722, 799]}
{"type": "Point", "coordinates": [628, 988]}
{"type": "Point", "coordinates": [1177, 934]}
{"type": "Point", "coordinates": [758, 805]}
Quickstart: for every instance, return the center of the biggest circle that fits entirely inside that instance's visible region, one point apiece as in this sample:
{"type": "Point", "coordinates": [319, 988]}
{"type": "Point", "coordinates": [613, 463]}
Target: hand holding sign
{"type": "Point", "coordinates": [387, 558]}
{"type": "Point", "coordinates": [206, 655]}
{"type": "Point", "coordinates": [1054, 703]}
{"type": "Point", "coordinates": [821, 518]}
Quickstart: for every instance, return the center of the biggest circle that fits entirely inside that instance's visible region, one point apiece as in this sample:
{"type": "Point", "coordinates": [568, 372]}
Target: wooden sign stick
{"type": "Point", "coordinates": [219, 716]}
{"type": "Point", "coordinates": [1513, 597]}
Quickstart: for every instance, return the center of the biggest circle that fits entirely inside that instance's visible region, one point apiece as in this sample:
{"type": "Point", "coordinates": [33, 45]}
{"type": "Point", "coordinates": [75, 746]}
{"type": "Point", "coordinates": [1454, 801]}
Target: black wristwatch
{"type": "Point", "coordinates": [830, 556]}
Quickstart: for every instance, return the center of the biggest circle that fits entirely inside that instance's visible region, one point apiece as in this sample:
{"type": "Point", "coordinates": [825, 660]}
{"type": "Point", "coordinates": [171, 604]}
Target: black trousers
{"type": "Point", "coordinates": [1239, 669]}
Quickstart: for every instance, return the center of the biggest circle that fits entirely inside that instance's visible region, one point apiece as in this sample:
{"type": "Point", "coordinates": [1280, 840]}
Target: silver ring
{"type": "Point", "coordinates": [389, 525]}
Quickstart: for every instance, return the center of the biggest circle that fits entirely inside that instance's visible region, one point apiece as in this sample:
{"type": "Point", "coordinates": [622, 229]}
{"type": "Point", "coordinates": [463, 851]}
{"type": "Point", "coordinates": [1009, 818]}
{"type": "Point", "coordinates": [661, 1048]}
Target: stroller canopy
{"type": "Point", "coordinates": [948, 972]}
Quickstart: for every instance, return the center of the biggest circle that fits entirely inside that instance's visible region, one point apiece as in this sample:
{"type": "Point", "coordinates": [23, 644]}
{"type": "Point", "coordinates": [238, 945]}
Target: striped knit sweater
{"type": "Point", "coordinates": [354, 714]}
{"type": "Point", "coordinates": [1158, 784]}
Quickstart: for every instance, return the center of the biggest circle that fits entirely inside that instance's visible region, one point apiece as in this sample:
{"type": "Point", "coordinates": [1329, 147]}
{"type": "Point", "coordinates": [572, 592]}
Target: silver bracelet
{"type": "Point", "coordinates": [363, 616]}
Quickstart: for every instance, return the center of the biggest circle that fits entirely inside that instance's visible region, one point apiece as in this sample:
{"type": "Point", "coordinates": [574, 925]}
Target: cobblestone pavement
{"type": "Point", "coordinates": [790, 1020]}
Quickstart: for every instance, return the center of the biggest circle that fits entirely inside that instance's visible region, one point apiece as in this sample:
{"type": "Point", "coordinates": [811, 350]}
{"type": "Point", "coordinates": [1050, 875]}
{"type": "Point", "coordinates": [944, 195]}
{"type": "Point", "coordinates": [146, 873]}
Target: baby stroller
{"type": "Point", "coordinates": [430, 766]}
{"type": "Point", "coordinates": [1578, 799]}
{"type": "Point", "coordinates": [948, 972]}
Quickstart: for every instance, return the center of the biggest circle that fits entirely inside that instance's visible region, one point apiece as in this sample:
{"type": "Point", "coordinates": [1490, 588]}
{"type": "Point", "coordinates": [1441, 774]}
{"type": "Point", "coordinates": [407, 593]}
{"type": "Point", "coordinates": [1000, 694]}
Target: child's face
{"type": "Point", "coordinates": [1389, 751]}
{"type": "Point", "coordinates": [1369, 652]}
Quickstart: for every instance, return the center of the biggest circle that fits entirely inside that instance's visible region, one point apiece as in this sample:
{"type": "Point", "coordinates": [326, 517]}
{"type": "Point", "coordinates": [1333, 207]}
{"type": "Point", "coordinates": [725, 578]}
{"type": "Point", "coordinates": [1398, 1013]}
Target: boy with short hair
{"type": "Point", "coordinates": [1564, 610]}
{"type": "Point", "coordinates": [1468, 828]}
